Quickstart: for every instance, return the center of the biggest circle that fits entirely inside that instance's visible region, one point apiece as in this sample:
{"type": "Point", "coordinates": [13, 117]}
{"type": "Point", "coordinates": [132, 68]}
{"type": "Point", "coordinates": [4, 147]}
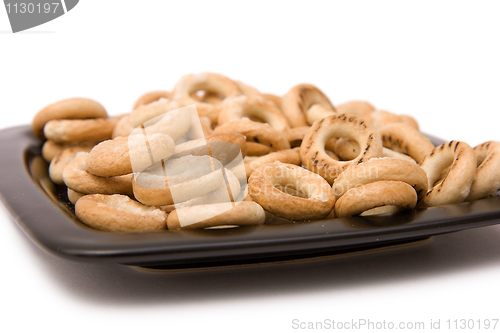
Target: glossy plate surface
{"type": "Point", "coordinates": [43, 212]}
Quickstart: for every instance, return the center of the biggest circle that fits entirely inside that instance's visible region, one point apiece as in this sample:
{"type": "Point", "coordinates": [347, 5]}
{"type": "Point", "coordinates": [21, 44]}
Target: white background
{"type": "Point", "coordinates": [437, 61]}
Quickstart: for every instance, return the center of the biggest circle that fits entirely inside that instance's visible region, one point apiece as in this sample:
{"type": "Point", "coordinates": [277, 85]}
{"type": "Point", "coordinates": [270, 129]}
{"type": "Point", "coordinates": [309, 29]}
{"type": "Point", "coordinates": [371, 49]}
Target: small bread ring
{"type": "Point", "coordinates": [317, 112]}
{"type": "Point", "coordinates": [290, 156]}
{"type": "Point", "coordinates": [73, 108]}
{"type": "Point", "coordinates": [50, 149]}
{"type": "Point", "coordinates": [273, 98]}
{"type": "Point", "coordinates": [257, 149]}
{"type": "Point", "coordinates": [256, 132]}
{"type": "Point", "coordinates": [487, 180]}
{"type": "Point", "coordinates": [146, 112]}
{"type": "Point", "coordinates": [320, 197]}
{"type": "Point", "coordinates": [123, 127]}
{"type": "Point", "coordinates": [357, 108]}
{"type": "Point", "coordinates": [150, 97]}
{"type": "Point", "coordinates": [456, 185]}
{"type": "Point", "coordinates": [76, 131]}
{"type": "Point", "coordinates": [59, 162]}
{"type": "Point", "coordinates": [295, 135]}
{"type": "Point", "coordinates": [382, 169]}
{"type": "Point", "coordinates": [312, 150]}
{"type": "Point", "coordinates": [380, 118]}
{"type": "Point", "coordinates": [119, 213]}
{"type": "Point", "coordinates": [299, 99]}
{"type": "Point", "coordinates": [74, 196]}
{"type": "Point", "coordinates": [372, 195]}
{"type": "Point", "coordinates": [221, 214]}
{"type": "Point", "coordinates": [403, 138]}
{"type": "Point", "coordinates": [224, 147]}
{"type": "Point", "coordinates": [125, 155]}
{"type": "Point", "coordinates": [177, 180]}
{"type": "Point", "coordinates": [77, 177]}
{"type": "Point", "coordinates": [257, 109]}
{"type": "Point", "coordinates": [213, 83]}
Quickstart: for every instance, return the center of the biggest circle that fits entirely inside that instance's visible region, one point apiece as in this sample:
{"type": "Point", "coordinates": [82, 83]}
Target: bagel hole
{"type": "Point", "coordinates": [207, 96]}
{"type": "Point", "coordinates": [343, 148]}
{"type": "Point", "coordinates": [295, 143]}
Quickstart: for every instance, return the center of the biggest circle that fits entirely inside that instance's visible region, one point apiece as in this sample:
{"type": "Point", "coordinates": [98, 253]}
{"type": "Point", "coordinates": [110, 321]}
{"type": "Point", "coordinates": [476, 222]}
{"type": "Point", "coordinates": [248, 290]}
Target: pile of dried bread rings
{"type": "Point", "coordinates": [304, 159]}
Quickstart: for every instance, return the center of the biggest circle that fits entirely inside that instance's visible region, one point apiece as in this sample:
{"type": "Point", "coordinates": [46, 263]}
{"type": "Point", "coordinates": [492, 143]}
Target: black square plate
{"type": "Point", "coordinates": [43, 212]}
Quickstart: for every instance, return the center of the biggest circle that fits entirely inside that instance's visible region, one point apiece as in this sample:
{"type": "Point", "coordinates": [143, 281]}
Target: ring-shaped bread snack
{"type": "Point", "coordinates": [382, 193]}
{"type": "Point", "coordinates": [73, 108]}
{"type": "Point", "coordinates": [177, 180]}
{"type": "Point", "coordinates": [380, 118]}
{"type": "Point", "coordinates": [77, 178]}
{"type": "Point", "coordinates": [455, 186]}
{"type": "Point", "coordinates": [357, 108]}
{"type": "Point", "coordinates": [59, 162]}
{"type": "Point", "coordinates": [242, 213]}
{"type": "Point", "coordinates": [382, 169]}
{"type": "Point", "coordinates": [74, 196]}
{"type": "Point", "coordinates": [150, 97]}
{"type": "Point", "coordinates": [256, 108]}
{"type": "Point", "coordinates": [273, 98]}
{"type": "Point", "coordinates": [256, 132]}
{"type": "Point", "coordinates": [119, 213]}
{"type": "Point", "coordinates": [312, 150]}
{"type": "Point", "coordinates": [487, 180]}
{"type": "Point", "coordinates": [295, 135]}
{"type": "Point", "coordinates": [124, 155]}
{"type": "Point", "coordinates": [209, 82]}
{"type": "Point", "coordinates": [317, 112]}
{"type": "Point", "coordinates": [299, 99]}
{"type": "Point", "coordinates": [405, 139]}
{"type": "Point", "coordinates": [262, 188]}
{"type": "Point", "coordinates": [76, 131]}
{"type": "Point", "coordinates": [289, 156]}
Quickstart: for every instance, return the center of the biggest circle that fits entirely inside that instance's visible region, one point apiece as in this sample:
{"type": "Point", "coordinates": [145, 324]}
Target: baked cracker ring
{"type": "Point", "coordinates": [377, 194]}
{"type": "Point", "coordinates": [257, 149]}
{"type": "Point", "coordinates": [150, 97]}
{"type": "Point", "coordinates": [124, 155]}
{"type": "Point", "coordinates": [77, 178]}
{"type": "Point", "coordinates": [75, 131]}
{"type": "Point", "coordinates": [177, 180]}
{"type": "Point", "coordinates": [257, 109]}
{"type": "Point", "coordinates": [299, 99]}
{"type": "Point", "coordinates": [289, 156]}
{"type": "Point", "coordinates": [123, 127]}
{"type": "Point", "coordinates": [50, 149]}
{"type": "Point", "coordinates": [220, 85]}
{"type": "Point", "coordinates": [119, 213]}
{"type": "Point", "coordinates": [256, 132]}
{"type": "Point", "coordinates": [320, 197]}
{"type": "Point", "coordinates": [357, 108]}
{"type": "Point", "coordinates": [487, 180]}
{"type": "Point", "coordinates": [273, 98]}
{"type": "Point", "coordinates": [224, 147]}
{"type": "Point", "coordinates": [240, 214]}
{"type": "Point", "coordinates": [296, 135]}
{"type": "Point", "coordinates": [312, 150]}
{"type": "Point", "coordinates": [403, 138]}
{"type": "Point", "coordinates": [380, 118]}
{"type": "Point", "coordinates": [455, 186]}
{"type": "Point", "coordinates": [74, 196]}
{"type": "Point", "coordinates": [317, 112]}
{"type": "Point", "coordinates": [73, 108]}
{"type": "Point", "coordinates": [382, 169]}
{"type": "Point", "coordinates": [146, 112]}
{"type": "Point", "coordinates": [59, 162]}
